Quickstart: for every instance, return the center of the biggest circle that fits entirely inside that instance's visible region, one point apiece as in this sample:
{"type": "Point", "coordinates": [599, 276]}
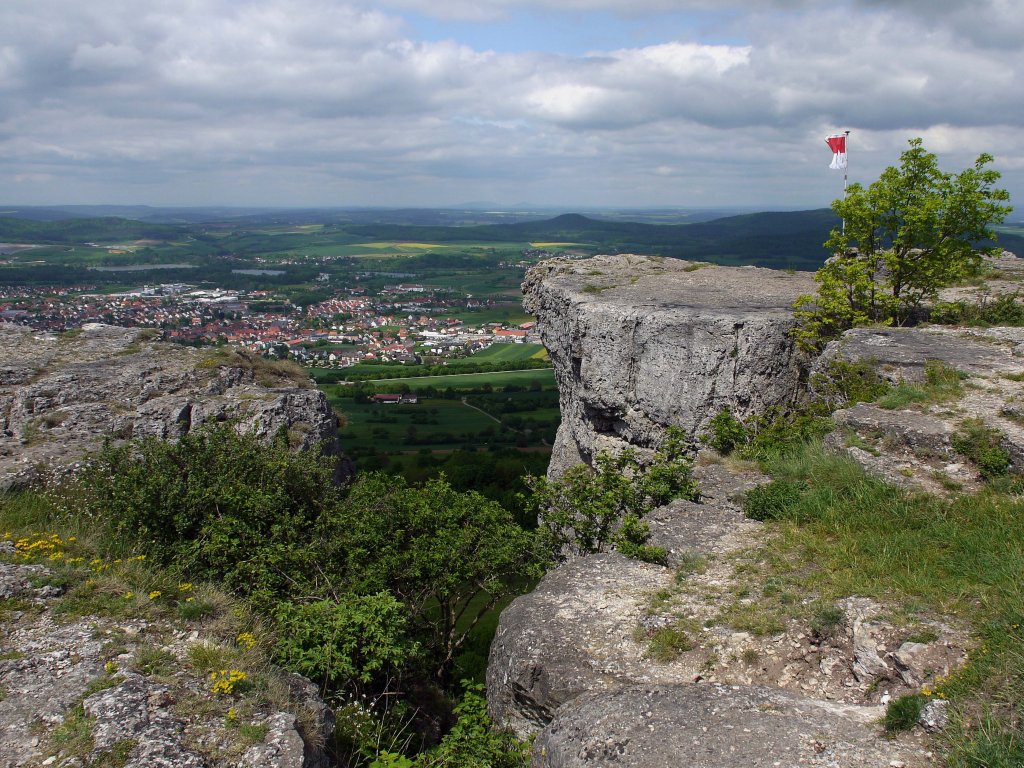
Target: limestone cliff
{"type": "Point", "coordinates": [642, 343]}
{"type": "Point", "coordinates": [61, 396]}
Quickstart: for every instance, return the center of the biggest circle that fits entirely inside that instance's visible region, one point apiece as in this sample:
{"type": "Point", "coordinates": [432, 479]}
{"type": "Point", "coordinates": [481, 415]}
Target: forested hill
{"type": "Point", "coordinates": [99, 230]}
{"type": "Point", "coordinates": [778, 239]}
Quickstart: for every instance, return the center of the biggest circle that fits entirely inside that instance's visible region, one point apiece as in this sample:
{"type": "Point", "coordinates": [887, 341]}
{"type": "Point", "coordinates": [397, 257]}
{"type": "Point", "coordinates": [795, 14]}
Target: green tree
{"type": "Point", "coordinates": [589, 510]}
{"type": "Point", "coordinates": [216, 504]}
{"type": "Point", "coordinates": [910, 233]}
{"type": "Point", "coordinates": [449, 557]}
{"type": "Point", "coordinates": [353, 641]}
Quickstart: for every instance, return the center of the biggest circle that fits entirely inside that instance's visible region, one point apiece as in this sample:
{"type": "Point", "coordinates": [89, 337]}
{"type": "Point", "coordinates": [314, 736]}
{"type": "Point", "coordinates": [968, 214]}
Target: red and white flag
{"type": "Point", "coordinates": [837, 143]}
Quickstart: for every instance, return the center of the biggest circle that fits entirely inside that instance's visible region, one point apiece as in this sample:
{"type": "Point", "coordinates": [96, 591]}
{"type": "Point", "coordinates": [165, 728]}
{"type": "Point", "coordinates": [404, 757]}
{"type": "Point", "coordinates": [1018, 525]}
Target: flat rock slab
{"type": "Point", "coordinates": [715, 726]}
{"type": "Point", "coordinates": [901, 353]}
{"type": "Point", "coordinates": [913, 429]}
{"type": "Point", "coordinates": [571, 635]}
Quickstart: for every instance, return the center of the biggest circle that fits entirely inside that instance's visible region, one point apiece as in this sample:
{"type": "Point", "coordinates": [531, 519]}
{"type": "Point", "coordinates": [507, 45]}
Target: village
{"type": "Point", "coordinates": [403, 323]}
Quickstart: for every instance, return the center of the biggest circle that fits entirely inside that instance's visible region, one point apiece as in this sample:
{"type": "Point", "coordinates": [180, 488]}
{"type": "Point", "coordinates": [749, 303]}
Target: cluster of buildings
{"type": "Point", "coordinates": [400, 326]}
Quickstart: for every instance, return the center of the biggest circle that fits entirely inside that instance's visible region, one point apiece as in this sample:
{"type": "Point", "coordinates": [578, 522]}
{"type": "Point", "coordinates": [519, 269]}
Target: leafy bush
{"type": "Point", "coordinates": [845, 382]}
{"type": "Point", "coordinates": [982, 445]}
{"type": "Point", "coordinates": [726, 432]}
{"type": "Point", "coordinates": [589, 510]}
{"type": "Point", "coordinates": [774, 500]}
{"type": "Point", "coordinates": [781, 432]}
{"type": "Point", "coordinates": [449, 557]}
{"type": "Point", "coordinates": [630, 540]}
{"type": "Point", "coordinates": [474, 742]}
{"type": "Point", "coordinates": [223, 506]}
{"type": "Point", "coordinates": [355, 640]}
{"type": "Point", "coordinates": [1001, 310]}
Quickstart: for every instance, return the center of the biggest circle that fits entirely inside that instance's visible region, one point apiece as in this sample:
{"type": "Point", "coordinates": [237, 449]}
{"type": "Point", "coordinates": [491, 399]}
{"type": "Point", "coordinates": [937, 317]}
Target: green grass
{"type": "Point", "coordinates": [850, 534]}
{"type": "Point", "coordinates": [503, 353]}
{"type": "Point", "coordinates": [942, 384]}
{"type": "Point", "coordinates": [496, 379]}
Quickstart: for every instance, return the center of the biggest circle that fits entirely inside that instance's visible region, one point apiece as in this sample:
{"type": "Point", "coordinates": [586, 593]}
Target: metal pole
{"type": "Point", "coordinates": [846, 170]}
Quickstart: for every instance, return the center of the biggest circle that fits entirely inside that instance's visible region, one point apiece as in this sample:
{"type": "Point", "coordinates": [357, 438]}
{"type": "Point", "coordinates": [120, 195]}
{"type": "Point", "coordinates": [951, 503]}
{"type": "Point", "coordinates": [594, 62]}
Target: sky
{"type": "Point", "coordinates": [572, 104]}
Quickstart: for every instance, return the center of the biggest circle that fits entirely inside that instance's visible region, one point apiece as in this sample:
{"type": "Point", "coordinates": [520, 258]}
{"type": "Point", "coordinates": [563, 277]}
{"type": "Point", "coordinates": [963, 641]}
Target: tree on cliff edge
{"type": "Point", "coordinates": [906, 236]}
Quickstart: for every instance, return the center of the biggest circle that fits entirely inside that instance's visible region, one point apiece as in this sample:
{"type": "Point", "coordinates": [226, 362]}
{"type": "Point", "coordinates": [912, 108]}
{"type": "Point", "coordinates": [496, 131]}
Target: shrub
{"type": "Point", "coordinates": [1001, 310]}
{"type": "Point", "coordinates": [982, 445]}
{"type": "Point", "coordinates": [355, 640]}
{"type": "Point", "coordinates": [474, 742]}
{"type": "Point", "coordinates": [781, 432]}
{"type": "Point", "coordinates": [449, 557]}
{"type": "Point", "coordinates": [585, 510]}
{"type": "Point", "coordinates": [845, 382]}
{"type": "Point", "coordinates": [773, 500]}
{"type": "Point", "coordinates": [223, 506]}
{"type": "Point", "coordinates": [726, 432]}
{"type": "Point", "coordinates": [630, 539]}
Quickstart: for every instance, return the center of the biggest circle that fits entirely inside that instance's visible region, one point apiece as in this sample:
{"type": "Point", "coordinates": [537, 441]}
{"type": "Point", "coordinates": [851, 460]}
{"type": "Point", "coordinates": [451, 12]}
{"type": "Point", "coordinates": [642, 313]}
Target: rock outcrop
{"type": "Point", "coordinates": [712, 725]}
{"type": "Point", "coordinates": [613, 662]}
{"type": "Point", "coordinates": [912, 446]}
{"type": "Point", "coordinates": [642, 343]}
{"type": "Point", "coordinates": [81, 689]}
{"type": "Point", "coordinates": [61, 396]}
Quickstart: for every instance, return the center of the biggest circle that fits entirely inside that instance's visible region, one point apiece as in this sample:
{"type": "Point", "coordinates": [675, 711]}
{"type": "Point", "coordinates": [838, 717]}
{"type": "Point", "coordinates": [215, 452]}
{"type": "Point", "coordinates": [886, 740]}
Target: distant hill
{"type": "Point", "coordinates": [784, 239]}
{"type": "Point", "coordinates": [95, 230]}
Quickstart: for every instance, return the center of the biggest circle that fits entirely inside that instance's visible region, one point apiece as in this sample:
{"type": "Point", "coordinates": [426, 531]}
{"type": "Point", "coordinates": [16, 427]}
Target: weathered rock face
{"type": "Point", "coordinates": [61, 396]}
{"type": "Point", "coordinates": [50, 665]}
{"type": "Point", "coordinates": [912, 446]}
{"type": "Point", "coordinates": [639, 344]}
{"type": "Point", "coordinates": [691, 726]}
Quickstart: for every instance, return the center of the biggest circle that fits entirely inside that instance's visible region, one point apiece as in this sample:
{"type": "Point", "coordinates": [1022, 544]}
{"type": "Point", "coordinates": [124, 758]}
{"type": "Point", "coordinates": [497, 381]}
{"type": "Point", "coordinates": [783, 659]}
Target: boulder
{"type": "Point", "coordinates": [570, 635]}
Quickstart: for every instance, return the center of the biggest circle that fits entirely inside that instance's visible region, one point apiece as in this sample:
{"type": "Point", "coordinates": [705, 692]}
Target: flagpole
{"type": "Point", "coordinates": [846, 170]}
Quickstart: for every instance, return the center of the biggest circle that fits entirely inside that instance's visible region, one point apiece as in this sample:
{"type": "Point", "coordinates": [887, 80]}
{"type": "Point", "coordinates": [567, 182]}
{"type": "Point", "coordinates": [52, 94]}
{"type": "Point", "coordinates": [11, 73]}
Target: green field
{"type": "Point", "coordinates": [546, 377]}
{"type": "Point", "coordinates": [431, 423]}
{"type": "Point", "coordinates": [510, 312]}
{"type": "Point", "coordinates": [503, 353]}
{"type": "Point", "coordinates": [475, 416]}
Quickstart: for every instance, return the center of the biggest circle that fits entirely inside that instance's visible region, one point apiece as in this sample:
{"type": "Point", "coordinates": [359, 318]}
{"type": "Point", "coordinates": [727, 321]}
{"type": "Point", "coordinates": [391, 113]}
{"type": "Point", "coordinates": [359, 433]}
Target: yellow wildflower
{"type": "Point", "coordinates": [154, 594]}
{"type": "Point", "coordinates": [226, 680]}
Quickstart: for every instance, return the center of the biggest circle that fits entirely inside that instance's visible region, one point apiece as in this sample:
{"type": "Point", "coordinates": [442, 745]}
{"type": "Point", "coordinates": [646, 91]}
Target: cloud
{"type": "Point", "coordinates": [325, 102]}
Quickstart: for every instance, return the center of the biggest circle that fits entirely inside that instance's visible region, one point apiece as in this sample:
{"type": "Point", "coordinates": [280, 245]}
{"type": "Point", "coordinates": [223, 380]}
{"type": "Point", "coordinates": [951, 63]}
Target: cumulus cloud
{"type": "Point", "coordinates": [333, 102]}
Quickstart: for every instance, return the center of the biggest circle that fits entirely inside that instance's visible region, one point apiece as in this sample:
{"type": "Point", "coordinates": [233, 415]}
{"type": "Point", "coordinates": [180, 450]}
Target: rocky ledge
{"type": "Point", "coordinates": [640, 343]}
{"type": "Point", "coordinates": [613, 662]}
{"type": "Point", "coordinates": [913, 445]}
{"type": "Point", "coordinates": [575, 662]}
{"type": "Point", "coordinates": [63, 395]}
{"type": "Point", "coordinates": [81, 690]}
